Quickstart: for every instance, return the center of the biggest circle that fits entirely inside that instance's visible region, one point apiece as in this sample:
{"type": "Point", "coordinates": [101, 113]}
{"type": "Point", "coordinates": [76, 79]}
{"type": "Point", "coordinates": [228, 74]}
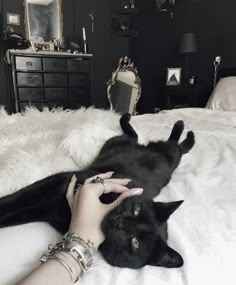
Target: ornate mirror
{"type": "Point", "coordinates": [43, 19]}
{"type": "Point", "coordinates": [124, 87]}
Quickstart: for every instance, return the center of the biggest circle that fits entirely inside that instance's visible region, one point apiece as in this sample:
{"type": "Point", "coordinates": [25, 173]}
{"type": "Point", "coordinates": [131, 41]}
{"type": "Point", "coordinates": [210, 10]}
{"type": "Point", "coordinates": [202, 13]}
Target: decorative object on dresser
{"type": "Point", "coordinates": [51, 79]}
{"type": "Point", "coordinates": [183, 96]}
{"type": "Point", "coordinates": [124, 87]}
{"type": "Point", "coordinates": [43, 21]}
{"type": "Point", "coordinates": [165, 7]}
{"type": "Point", "coordinates": [13, 19]}
{"type": "Point", "coordinates": [188, 45]}
{"type": "Point", "coordinates": [173, 77]}
{"type": "Point", "coordinates": [121, 25]}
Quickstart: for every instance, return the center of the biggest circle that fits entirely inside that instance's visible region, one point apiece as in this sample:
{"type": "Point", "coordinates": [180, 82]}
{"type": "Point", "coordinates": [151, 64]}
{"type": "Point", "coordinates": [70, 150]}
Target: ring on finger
{"type": "Point", "coordinates": [78, 188]}
{"type": "Point", "coordinates": [99, 180]}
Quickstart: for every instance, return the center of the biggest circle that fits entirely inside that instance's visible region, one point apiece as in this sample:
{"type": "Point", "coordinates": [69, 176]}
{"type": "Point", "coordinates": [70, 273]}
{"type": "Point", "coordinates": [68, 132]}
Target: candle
{"type": "Point", "coordinates": [84, 35]}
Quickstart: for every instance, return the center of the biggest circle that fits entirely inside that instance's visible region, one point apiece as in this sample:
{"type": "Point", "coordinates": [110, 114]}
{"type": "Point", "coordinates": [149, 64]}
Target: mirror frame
{"type": "Point", "coordinates": [26, 20]}
{"type": "Point", "coordinates": [125, 64]}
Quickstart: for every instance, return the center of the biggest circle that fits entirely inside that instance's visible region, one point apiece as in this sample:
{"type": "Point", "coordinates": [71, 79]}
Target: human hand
{"type": "Point", "coordinates": [87, 210]}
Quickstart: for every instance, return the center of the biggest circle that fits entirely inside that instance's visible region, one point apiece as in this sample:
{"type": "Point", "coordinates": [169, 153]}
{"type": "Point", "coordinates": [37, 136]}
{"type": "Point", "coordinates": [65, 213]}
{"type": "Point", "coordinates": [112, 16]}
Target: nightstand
{"type": "Point", "coordinates": [182, 96]}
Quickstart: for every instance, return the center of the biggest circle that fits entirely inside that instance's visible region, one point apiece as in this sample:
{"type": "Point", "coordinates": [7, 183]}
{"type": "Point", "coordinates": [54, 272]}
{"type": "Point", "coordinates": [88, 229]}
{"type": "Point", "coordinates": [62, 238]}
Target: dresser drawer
{"type": "Point", "coordinates": [75, 65]}
{"type": "Point", "coordinates": [78, 80]}
{"type": "Point", "coordinates": [78, 104]}
{"type": "Point", "coordinates": [31, 94]}
{"type": "Point", "coordinates": [56, 94]}
{"type": "Point", "coordinates": [28, 63]}
{"type": "Point", "coordinates": [54, 64]}
{"type": "Point", "coordinates": [58, 104]}
{"type": "Point", "coordinates": [79, 94]}
{"type": "Point", "coordinates": [38, 105]}
{"type": "Point", "coordinates": [29, 79]}
{"type": "Point", "coordinates": [55, 80]}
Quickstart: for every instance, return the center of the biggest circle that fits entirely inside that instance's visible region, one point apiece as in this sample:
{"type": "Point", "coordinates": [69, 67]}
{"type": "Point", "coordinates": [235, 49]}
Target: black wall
{"type": "Point", "coordinates": [156, 48]}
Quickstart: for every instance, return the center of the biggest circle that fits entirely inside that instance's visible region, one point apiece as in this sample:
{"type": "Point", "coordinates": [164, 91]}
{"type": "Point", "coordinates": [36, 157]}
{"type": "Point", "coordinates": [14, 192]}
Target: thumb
{"type": "Point", "coordinates": [124, 195]}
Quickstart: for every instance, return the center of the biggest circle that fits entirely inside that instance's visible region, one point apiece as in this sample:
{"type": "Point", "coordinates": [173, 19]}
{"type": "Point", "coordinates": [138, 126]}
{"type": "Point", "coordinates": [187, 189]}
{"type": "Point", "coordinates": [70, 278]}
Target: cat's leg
{"type": "Point", "coordinates": [126, 127]}
{"type": "Point", "coordinates": [42, 201]}
{"type": "Point", "coordinates": [187, 143]}
{"type": "Point", "coordinates": [177, 131]}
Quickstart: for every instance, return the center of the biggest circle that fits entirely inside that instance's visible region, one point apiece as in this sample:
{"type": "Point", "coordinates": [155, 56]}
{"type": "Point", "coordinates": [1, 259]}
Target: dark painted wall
{"type": "Point", "coordinates": [107, 49]}
{"type": "Point", "coordinates": [156, 48]}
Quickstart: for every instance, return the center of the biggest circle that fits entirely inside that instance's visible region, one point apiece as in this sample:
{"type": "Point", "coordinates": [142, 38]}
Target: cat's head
{"type": "Point", "coordinates": [136, 234]}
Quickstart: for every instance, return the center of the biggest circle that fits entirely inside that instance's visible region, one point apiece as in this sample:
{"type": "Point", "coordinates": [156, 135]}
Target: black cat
{"type": "Point", "coordinates": [136, 231]}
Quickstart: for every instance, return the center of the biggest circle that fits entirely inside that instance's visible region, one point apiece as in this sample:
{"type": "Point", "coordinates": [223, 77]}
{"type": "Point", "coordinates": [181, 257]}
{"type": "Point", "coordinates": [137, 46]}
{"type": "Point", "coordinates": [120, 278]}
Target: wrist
{"type": "Point", "coordinates": [96, 237]}
{"type": "Point", "coordinates": [80, 251]}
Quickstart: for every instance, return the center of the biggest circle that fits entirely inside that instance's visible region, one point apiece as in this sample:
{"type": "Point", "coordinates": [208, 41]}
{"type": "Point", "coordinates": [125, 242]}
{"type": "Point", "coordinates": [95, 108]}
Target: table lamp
{"type": "Point", "coordinates": [188, 45]}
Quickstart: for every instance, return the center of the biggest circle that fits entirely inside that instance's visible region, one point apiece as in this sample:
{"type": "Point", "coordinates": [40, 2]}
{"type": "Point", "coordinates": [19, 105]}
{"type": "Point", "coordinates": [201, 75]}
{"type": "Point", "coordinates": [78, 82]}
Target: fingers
{"type": "Point", "coordinates": [124, 195]}
{"type": "Point", "coordinates": [70, 191]}
{"type": "Point", "coordinates": [121, 181]}
{"type": "Point", "coordinates": [113, 187]}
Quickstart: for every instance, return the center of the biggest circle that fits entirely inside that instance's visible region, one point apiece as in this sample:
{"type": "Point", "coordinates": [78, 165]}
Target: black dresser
{"type": "Point", "coordinates": [51, 79]}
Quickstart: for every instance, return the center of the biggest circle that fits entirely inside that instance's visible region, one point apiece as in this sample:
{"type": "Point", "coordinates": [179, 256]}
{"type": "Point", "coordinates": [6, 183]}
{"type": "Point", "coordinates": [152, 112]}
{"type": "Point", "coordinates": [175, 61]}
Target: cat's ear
{"type": "Point", "coordinates": [164, 210]}
{"type": "Point", "coordinates": [165, 256]}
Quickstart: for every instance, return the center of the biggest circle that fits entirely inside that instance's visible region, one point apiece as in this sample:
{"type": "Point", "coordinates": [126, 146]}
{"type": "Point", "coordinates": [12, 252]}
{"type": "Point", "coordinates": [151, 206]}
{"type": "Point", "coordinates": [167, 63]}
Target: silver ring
{"type": "Point", "coordinates": [98, 180]}
{"type": "Point", "coordinates": [78, 187]}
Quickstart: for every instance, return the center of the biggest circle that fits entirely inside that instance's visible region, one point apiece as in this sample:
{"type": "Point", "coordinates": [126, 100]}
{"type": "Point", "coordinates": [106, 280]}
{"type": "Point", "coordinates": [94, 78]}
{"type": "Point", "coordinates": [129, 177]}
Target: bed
{"type": "Point", "coordinates": [203, 230]}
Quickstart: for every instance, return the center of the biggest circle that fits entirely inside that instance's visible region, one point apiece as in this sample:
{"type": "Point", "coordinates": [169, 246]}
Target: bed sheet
{"type": "Point", "coordinates": [203, 230]}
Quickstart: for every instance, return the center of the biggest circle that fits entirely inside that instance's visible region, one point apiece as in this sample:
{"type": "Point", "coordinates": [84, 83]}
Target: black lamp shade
{"type": "Point", "coordinates": [188, 43]}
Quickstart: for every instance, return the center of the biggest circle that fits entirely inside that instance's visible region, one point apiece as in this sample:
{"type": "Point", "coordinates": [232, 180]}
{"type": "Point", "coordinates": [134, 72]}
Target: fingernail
{"type": "Point", "coordinates": [136, 191]}
{"type": "Point", "coordinates": [74, 177]}
{"type": "Point", "coordinates": [111, 172]}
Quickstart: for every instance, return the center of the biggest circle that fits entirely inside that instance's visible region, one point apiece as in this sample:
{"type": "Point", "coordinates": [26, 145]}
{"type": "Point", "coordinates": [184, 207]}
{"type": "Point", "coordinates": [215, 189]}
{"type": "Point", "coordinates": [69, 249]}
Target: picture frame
{"type": "Point", "coordinates": [173, 77]}
{"type": "Point", "coordinates": [13, 19]}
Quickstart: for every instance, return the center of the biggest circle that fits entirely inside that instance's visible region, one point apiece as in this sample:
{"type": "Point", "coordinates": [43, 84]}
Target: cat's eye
{"type": "Point", "coordinates": [137, 210]}
{"type": "Point", "coordinates": [135, 243]}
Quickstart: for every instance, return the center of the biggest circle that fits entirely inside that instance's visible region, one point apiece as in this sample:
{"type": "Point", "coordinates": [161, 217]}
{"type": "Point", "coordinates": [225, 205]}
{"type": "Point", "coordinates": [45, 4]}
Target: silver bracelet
{"type": "Point", "coordinates": [82, 251]}
{"type": "Point", "coordinates": [64, 264]}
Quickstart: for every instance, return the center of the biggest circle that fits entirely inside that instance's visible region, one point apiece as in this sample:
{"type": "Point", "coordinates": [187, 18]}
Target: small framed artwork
{"type": "Point", "coordinates": [173, 77]}
{"type": "Point", "coordinates": [13, 19]}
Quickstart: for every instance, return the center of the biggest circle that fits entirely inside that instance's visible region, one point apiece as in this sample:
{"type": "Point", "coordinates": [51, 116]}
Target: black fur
{"type": "Point", "coordinates": [149, 167]}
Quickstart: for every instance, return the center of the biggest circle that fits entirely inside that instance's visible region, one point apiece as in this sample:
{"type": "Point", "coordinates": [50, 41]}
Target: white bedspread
{"type": "Point", "coordinates": [203, 229]}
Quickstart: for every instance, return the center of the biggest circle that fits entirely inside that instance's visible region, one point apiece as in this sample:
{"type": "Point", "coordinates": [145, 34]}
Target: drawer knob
{"type": "Point", "coordinates": [29, 64]}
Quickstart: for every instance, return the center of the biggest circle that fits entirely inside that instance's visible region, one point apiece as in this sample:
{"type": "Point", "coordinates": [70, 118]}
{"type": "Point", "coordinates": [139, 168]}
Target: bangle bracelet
{"type": "Point", "coordinates": [78, 249]}
{"type": "Point", "coordinates": [65, 265]}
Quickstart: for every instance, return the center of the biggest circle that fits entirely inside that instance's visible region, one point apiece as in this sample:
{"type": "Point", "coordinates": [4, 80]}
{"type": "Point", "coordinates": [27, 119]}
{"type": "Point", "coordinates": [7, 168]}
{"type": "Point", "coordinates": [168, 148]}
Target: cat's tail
{"type": "Point", "coordinates": [126, 127]}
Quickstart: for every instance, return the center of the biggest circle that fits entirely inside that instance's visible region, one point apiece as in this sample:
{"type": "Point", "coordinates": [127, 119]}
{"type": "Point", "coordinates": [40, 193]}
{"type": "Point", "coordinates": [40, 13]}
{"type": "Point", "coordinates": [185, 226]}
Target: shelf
{"type": "Point", "coordinates": [125, 11]}
{"type": "Point", "coordinates": [126, 34]}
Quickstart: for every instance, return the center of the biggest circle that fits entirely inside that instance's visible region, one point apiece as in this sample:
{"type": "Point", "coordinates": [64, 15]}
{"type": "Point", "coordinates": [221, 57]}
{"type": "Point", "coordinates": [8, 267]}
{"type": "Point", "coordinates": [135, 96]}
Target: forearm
{"type": "Point", "coordinates": [51, 272]}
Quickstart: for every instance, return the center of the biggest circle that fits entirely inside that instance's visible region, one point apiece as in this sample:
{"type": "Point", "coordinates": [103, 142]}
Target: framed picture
{"type": "Point", "coordinates": [173, 76]}
{"type": "Point", "coordinates": [13, 19]}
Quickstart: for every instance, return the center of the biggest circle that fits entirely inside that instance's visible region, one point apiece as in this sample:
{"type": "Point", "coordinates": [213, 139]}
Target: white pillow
{"type": "Point", "coordinates": [223, 96]}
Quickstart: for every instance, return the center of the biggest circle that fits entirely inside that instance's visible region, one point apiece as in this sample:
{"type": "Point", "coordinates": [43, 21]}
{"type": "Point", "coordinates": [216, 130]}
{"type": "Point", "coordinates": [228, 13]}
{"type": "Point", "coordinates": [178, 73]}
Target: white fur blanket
{"type": "Point", "coordinates": [37, 144]}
